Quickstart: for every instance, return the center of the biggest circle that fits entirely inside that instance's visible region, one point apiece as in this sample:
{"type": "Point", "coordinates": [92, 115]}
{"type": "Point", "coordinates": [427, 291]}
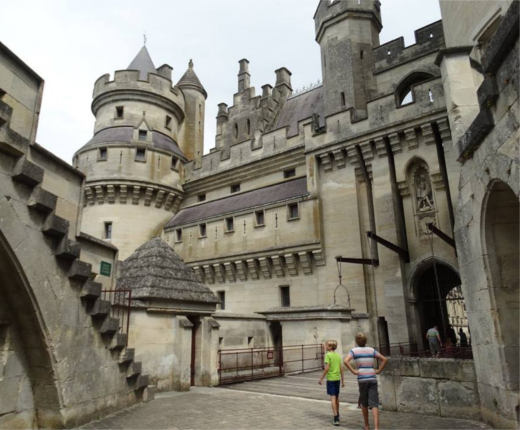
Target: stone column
{"type": "Point", "coordinates": [209, 352]}
{"type": "Point", "coordinates": [181, 379]}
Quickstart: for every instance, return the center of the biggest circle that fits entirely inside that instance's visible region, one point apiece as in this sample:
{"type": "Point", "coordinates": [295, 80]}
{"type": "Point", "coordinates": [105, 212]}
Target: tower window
{"type": "Point", "coordinates": [324, 61]}
{"type": "Point", "coordinates": [230, 224]}
{"type": "Point", "coordinates": [236, 131]}
{"type": "Point", "coordinates": [260, 218]}
{"type": "Point", "coordinates": [285, 295]}
{"type": "Point", "coordinates": [361, 54]}
{"type": "Point", "coordinates": [140, 154]}
{"type": "Point", "coordinates": [292, 211]}
{"type": "Point", "coordinates": [175, 160]}
{"type": "Point", "coordinates": [143, 134]}
{"type": "Point", "coordinates": [343, 101]}
{"type": "Point", "coordinates": [235, 188]}
{"type": "Point", "coordinates": [120, 112]}
{"type": "Point", "coordinates": [103, 154]}
{"type": "Point", "coordinates": [289, 173]}
{"type": "Point", "coordinates": [178, 235]}
{"type": "Point", "coordinates": [222, 297]}
{"type": "Point", "coordinates": [248, 127]}
{"type": "Point", "coordinates": [168, 122]}
{"type": "Point", "coordinates": [202, 230]}
{"type": "Point", "coordinates": [108, 230]}
{"type": "Point", "coordinates": [201, 198]}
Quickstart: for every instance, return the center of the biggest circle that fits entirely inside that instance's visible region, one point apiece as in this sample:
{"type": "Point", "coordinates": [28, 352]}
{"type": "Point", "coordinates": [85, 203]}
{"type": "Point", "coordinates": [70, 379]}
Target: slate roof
{"type": "Point", "coordinates": [190, 79]}
{"type": "Point", "coordinates": [301, 107]}
{"type": "Point", "coordinates": [143, 62]}
{"type": "Point", "coordinates": [154, 270]}
{"type": "Point", "coordinates": [283, 191]}
{"type": "Point", "coordinates": [126, 135]}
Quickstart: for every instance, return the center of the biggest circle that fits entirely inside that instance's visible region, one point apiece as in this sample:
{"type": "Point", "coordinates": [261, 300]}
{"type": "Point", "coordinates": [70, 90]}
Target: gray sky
{"type": "Point", "coordinates": [70, 43]}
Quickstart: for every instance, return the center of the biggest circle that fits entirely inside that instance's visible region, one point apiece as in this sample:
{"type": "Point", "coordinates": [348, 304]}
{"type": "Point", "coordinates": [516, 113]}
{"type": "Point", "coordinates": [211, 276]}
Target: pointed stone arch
{"type": "Point", "coordinates": [405, 86]}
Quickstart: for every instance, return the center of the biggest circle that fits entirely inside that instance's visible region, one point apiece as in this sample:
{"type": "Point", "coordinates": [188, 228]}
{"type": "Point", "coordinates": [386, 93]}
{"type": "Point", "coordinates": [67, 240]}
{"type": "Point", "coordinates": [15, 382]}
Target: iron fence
{"type": "Point", "coordinates": [121, 305]}
{"type": "Point", "coordinates": [240, 365]}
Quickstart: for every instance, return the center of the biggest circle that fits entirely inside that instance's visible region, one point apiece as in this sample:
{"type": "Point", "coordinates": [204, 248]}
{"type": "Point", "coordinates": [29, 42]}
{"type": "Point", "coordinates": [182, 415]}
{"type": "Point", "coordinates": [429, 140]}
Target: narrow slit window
{"type": "Point", "coordinates": [120, 112]}
{"type": "Point", "coordinates": [285, 295]}
{"type": "Point", "coordinates": [260, 218]}
{"type": "Point", "coordinates": [236, 131]}
{"type": "Point", "coordinates": [293, 211]}
{"type": "Point", "coordinates": [235, 188]}
{"type": "Point", "coordinates": [202, 230]}
{"type": "Point", "coordinates": [430, 94]}
{"type": "Point", "coordinates": [201, 197]}
{"type": "Point", "coordinates": [361, 54]}
{"type": "Point", "coordinates": [248, 127]}
{"type": "Point", "coordinates": [389, 52]}
{"type": "Point", "coordinates": [289, 173]}
{"type": "Point", "coordinates": [143, 134]}
{"type": "Point", "coordinates": [230, 224]}
{"type": "Point", "coordinates": [343, 101]}
{"type": "Point", "coordinates": [178, 235]}
{"type": "Point", "coordinates": [168, 122]}
{"type": "Point", "coordinates": [140, 154]}
{"type": "Point", "coordinates": [250, 341]}
{"type": "Point", "coordinates": [108, 230]}
{"type": "Point", "coordinates": [222, 298]}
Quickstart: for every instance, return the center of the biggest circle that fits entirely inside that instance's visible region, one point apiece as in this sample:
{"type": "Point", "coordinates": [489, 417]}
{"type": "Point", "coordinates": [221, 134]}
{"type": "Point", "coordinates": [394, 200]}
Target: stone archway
{"type": "Point", "coordinates": [29, 396]}
{"type": "Point", "coordinates": [500, 242]}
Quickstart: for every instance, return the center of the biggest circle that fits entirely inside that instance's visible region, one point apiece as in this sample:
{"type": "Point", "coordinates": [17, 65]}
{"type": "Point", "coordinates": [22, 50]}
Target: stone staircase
{"type": "Point", "coordinates": [67, 253]}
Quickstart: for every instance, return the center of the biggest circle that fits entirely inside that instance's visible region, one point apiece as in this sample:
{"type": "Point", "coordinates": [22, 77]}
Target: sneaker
{"type": "Point", "coordinates": [336, 421]}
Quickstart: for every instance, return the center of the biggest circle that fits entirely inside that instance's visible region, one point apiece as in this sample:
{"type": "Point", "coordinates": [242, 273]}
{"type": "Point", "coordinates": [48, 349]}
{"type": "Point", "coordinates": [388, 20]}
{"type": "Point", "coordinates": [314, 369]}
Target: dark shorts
{"type": "Point", "coordinates": [368, 395]}
{"type": "Point", "coordinates": [435, 347]}
{"type": "Point", "coordinates": [333, 388]}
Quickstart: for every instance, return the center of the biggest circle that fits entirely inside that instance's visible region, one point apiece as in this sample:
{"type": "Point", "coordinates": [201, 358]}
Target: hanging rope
{"type": "Point", "coordinates": [341, 285]}
{"type": "Point", "coordinates": [430, 237]}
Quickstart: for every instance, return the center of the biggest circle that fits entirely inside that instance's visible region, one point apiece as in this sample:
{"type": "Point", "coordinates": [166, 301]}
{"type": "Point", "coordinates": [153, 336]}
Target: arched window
{"type": "Point", "coordinates": [404, 90]}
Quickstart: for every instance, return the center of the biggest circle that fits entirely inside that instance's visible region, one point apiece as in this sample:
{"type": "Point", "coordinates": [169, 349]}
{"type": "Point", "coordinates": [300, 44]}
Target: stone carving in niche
{"type": "Point", "coordinates": [421, 191]}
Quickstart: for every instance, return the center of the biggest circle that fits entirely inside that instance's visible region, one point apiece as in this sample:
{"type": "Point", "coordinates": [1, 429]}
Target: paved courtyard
{"type": "Point", "coordinates": [292, 402]}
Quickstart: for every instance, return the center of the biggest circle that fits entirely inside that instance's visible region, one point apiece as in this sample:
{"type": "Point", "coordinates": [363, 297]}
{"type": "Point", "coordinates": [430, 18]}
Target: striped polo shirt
{"type": "Point", "coordinates": [364, 358]}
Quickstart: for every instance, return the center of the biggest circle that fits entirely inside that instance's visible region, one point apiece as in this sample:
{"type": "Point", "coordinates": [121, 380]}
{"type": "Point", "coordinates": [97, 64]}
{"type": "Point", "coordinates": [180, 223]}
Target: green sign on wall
{"type": "Point", "coordinates": [105, 269]}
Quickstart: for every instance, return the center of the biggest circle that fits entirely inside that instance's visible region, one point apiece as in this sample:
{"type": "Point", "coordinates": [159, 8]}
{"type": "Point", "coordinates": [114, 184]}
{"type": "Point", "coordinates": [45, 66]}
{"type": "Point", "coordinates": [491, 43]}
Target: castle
{"type": "Point", "coordinates": [318, 214]}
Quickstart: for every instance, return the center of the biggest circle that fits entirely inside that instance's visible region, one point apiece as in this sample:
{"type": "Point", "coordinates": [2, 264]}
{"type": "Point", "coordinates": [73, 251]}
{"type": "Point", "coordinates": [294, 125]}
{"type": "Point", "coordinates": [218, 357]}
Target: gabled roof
{"type": "Point", "coordinates": [154, 270]}
{"type": "Point", "coordinates": [274, 193]}
{"type": "Point", "coordinates": [191, 80]}
{"type": "Point", "coordinates": [143, 62]}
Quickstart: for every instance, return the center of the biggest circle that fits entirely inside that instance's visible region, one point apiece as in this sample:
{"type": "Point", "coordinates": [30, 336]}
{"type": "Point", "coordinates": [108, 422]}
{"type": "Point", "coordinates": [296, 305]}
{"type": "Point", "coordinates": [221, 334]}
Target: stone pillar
{"type": "Point", "coordinates": [181, 379]}
{"type": "Point", "coordinates": [209, 352]}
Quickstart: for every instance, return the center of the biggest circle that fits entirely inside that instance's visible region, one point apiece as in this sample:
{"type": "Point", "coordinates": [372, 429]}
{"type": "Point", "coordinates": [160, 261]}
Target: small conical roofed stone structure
{"type": "Point", "coordinates": [143, 62]}
{"type": "Point", "coordinates": [191, 80]}
{"type": "Point", "coordinates": [155, 271]}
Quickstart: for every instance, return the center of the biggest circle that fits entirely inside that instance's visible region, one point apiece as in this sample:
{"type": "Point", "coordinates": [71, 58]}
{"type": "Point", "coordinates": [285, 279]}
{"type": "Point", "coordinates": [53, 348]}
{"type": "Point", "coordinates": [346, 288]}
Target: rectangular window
{"type": "Point", "coordinates": [103, 154]}
{"type": "Point", "coordinates": [140, 154]}
{"type": "Point", "coordinates": [168, 122]}
{"type": "Point", "coordinates": [235, 188]}
{"type": "Point", "coordinates": [201, 198]}
{"type": "Point", "coordinates": [108, 230]}
{"type": "Point", "coordinates": [230, 225]}
{"type": "Point", "coordinates": [222, 297]}
{"type": "Point", "coordinates": [293, 212]}
{"type": "Point", "coordinates": [285, 295]}
{"type": "Point", "coordinates": [143, 134]}
{"type": "Point", "coordinates": [289, 173]}
{"type": "Point", "coordinates": [250, 341]}
{"type": "Point", "coordinates": [120, 112]}
{"type": "Point", "coordinates": [202, 230]}
{"type": "Point", "coordinates": [175, 160]}
{"type": "Point", "coordinates": [259, 218]}
{"type": "Point", "coordinates": [343, 101]}
{"type": "Point", "coordinates": [178, 235]}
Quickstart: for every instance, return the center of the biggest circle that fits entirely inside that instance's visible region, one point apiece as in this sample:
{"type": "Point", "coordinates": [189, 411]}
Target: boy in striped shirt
{"type": "Point", "coordinates": [364, 357]}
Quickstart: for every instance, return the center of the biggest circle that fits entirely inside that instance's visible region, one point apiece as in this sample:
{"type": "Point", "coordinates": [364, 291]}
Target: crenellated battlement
{"type": "Point", "coordinates": [427, 39]}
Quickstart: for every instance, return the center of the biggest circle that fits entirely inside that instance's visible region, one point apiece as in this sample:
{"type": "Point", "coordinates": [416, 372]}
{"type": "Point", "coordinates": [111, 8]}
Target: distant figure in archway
{"type": "Point", "coordinates": [451, 334]}
{"type": "Point", "coordinates": [463, 338]}
{"type": "Point", "coordinates": [434, 339]}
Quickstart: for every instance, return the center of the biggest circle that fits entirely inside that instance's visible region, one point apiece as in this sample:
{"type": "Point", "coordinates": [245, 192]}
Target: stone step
{"type": "Point", "coordinates": [91, 290]}
{"type": "Point", "coordinates": [42, 201]}
{"type": "Point", "coordinates": [127, 355]}
{"type": "Point", "coordinates": [56, 226]}
{"type": "Point", "coordinates": [80, 271]}
{"type": "Point", "coordinates": [68, 249]}
{"type": "Point", "coordinates": [12, 143]}
{"type": "Point", "coordinates": [118, 341]}
{"type": "Point", "coordinates": [110, 325]}
{"type": "Point", "coordinates": [6, 112]}
{"type": "Point", "coordinates": [141, 381]}
{"type": "Point", "coordinates": [149, 393]}
{"type": "Point", "coordinates": [134, 368]}
{"type": "Point", "coordinates": [100, 309]}
{"type": "Point", "coordinates": [27, 173]}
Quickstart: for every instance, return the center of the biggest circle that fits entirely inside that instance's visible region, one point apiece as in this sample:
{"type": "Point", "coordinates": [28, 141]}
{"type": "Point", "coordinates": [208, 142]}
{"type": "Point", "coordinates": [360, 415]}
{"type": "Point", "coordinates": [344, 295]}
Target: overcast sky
{"type": "Point", "coordinates": [70, 43]}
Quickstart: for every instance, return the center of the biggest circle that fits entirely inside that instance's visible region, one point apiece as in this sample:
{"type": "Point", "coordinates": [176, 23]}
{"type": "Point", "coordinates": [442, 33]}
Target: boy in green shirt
{"type": "Point", "coordinates": [334, 371]}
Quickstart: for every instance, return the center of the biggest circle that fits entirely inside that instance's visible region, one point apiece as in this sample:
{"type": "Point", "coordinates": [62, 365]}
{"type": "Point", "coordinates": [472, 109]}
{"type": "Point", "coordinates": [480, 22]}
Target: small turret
{"type": "Point", "coordinates": [244, 77]}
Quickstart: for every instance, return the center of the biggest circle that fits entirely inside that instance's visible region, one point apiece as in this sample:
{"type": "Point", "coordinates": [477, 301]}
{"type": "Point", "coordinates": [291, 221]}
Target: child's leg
{"type": "Point", "coordinates": [375, 413]}
{"type": "Point", "coordinates": [365, 417]}
{"type": "Point", "coordinates": [334, 404]}
{"type": "Point", "coordinates": [337, 405]}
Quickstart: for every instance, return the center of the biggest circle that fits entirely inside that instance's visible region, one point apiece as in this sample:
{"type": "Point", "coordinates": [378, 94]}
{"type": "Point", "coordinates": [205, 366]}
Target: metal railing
{"type": "Point", "coordinates": [240, 365]}
{"type": "Point", "coordinates": [121, 301]}
{"type": "Point", "coordinates": [412, 350]}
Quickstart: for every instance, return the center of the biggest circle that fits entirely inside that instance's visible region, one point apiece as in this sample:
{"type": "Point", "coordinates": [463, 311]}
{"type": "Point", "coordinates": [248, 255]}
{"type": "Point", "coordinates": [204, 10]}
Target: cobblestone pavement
{"type": "Point", "coordinates": [240, 407]}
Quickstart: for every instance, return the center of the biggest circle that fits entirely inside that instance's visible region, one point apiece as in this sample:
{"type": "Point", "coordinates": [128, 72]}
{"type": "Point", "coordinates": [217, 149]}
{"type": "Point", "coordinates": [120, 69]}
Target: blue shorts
{"type": "Point", "coordinates": [333, 388]}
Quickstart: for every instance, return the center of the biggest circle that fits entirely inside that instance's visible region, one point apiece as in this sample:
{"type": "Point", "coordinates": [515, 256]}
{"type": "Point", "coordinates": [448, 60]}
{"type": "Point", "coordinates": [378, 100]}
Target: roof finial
{"type": "Point", "coordinates": [144, 38]}
{"type": "Point", "coordinates": [191, 64]}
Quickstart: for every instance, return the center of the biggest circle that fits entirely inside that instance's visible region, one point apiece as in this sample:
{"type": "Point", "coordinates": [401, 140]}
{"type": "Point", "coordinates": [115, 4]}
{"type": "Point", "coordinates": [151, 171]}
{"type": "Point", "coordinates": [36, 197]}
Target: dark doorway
{"type": "Point", "coordinates": [195, 348]}
{"type": "Point", "coordinates": [276, 335]}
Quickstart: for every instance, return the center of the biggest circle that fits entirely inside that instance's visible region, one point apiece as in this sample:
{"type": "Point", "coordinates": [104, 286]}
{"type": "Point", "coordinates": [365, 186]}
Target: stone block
{"type": "Point", "coordinates": [141, 381]}
{"type": "Point", "coordinates": [68, 249]}
{"type": "Point", "coordinates": [42, 200]}
{"type": "Point", "coordinates": [100, 308]}
{"type": "Point", "coordinates": [127, 355]}
{"type": "Point", "coordinates": [387, 392]}
{"type": "Point", "coordinates": [12, 143]}
{"type": "Point", "coordinates": [149, 393]}
{"type": "Point", "coordinates": [27, 173]}
{"type": "Point", "coordinates": [459, 400]}
{"type": "Point", "coordinates": [80, 271]}
{"type": "Point", "coordinates": [447, 368]}
{"type": "Point", "coordinates": [134, 368]}
{"type": "Point", "coordinates": [91, 290]}
{"type": "Point", "coordinates": [417, 395]}
{"type": "Point", "coordinates": [56, 226]}
{"type": "Point", "coordinates": [119, 341]}
{"type": "Point", "coordinates": [110, 325]}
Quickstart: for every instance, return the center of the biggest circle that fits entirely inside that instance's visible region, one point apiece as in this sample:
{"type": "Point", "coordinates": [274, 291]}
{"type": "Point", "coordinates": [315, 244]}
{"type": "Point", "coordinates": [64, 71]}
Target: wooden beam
{"type": "Point", "coordinates": [366, 261]}
{"type": "Point", "coordinates": [397, 249]}
{"type": "Point", "coordinates": [442, 235]}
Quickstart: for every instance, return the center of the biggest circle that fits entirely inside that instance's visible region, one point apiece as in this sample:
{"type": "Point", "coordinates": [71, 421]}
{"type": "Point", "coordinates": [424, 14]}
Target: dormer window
{"type": "Point", "coordinates": [168, 122]}
{"type": "Point", "coordinates": [143, 134]}
{"type": "Point", "coordinates": [120, 112]}
{"type": "Point", "coordinates": [202, 230]}
{"type": "Point", "coordinates": [140, 154]}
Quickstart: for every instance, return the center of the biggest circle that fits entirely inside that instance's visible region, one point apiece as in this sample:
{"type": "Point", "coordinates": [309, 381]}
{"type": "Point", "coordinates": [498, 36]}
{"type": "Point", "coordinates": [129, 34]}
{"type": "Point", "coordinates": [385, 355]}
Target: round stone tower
{"type": "Point", "coordinates": [134, 162]}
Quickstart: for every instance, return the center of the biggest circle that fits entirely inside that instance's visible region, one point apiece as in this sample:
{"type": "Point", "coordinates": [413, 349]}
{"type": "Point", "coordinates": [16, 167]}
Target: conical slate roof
{"type": "Point", "coordinates": [191, 80]}
{"type": "Point", "coordinates": [154, 270]}
{"type": "Point", "coordinates": [143, 62]}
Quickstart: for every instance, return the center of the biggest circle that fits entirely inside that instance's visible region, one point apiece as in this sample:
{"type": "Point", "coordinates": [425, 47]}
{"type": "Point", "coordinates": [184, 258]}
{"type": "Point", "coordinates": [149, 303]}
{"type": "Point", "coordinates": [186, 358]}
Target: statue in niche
{"type": "Point", "coordinates": [423, 190]}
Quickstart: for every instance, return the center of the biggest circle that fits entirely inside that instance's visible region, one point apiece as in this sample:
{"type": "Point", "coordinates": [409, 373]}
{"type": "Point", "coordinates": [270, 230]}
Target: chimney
{"type": "Point", "coordinates": [283, 81]}
{"type": "Point", "coordinates": [166, 71]}
{"type": "Point", "coordinates": [244, 78]}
